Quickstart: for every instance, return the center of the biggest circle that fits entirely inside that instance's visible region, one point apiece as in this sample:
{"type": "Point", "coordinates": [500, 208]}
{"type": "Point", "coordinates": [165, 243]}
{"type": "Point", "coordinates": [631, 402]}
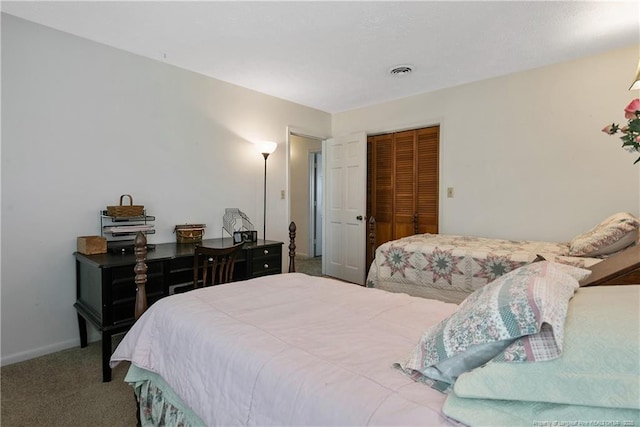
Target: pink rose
{"type": "Point", "coordinates": [630, 110]}
{"type": "Point", "coordinates": [607, 129]}
{"type": "Point", "coordinates": [611, 129]}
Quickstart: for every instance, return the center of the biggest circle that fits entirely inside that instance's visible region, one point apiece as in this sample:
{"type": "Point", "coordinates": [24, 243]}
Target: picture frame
{"type": "Point", "coordinates": [245, 236]}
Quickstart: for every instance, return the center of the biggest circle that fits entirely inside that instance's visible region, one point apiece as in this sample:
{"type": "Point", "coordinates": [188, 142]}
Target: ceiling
{"type": "Point", "coordinates": [334, 55]}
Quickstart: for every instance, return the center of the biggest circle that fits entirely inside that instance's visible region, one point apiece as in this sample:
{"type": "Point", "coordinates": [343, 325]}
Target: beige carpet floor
{"type": "Point", "coordinates": [65, 389]}
{"type": "Point", "coordinates": [310, 266]}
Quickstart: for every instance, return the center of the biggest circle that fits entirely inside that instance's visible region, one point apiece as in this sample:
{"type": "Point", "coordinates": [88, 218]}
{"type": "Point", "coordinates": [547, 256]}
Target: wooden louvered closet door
{"type": "Point", "coordinates": [404, 176]}
{"type": "Point", "coordinates": [428, 171]}
{"type": "Point", "coordinates": [380, 183]}
{"type": "Point", "coordinates": [402, 183]}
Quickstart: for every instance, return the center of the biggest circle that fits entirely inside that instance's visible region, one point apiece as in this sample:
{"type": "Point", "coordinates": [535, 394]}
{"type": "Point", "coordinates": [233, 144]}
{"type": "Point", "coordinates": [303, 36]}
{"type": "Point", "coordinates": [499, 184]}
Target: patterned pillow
{"type": "Point", "coordinates": [611, 235]}
{"type": "Point", "coordinates": [517, 317]}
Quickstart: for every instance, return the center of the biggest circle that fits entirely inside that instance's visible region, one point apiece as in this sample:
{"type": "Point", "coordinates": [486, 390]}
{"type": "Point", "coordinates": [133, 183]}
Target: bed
{"type": "Point", "coordinates": [450, 267]}
{"type": "Point", "coordinates": [293, 349]}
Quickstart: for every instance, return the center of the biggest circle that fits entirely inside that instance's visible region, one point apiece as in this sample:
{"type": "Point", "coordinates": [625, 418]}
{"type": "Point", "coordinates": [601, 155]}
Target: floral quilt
{"type": "Point", "coordinates": [459, 263]}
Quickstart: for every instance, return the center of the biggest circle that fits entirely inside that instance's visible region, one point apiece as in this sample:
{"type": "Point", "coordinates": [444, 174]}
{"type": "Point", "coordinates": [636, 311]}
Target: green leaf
{"type": "Point", "coordinates": [634, 125]}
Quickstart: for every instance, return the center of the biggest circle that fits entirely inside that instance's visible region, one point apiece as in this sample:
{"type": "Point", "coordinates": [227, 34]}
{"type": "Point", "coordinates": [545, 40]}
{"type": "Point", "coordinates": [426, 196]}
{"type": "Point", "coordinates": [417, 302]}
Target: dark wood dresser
{"type": "Point", "coordinates": [105, 287]}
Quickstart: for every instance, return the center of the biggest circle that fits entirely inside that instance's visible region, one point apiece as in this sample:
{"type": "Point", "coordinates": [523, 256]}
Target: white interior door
{"type": "Point", "coordinates": [345, 165]}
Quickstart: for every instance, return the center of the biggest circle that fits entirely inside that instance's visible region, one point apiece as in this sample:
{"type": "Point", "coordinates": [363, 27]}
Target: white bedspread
{"type": "Point", "coordinates": [290, 349]}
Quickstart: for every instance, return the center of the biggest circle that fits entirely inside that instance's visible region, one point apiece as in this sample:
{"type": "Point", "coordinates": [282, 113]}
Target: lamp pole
{"type": "Point", "coordinates": [264, 220]}
{"type": "Point", "coordinates": [265, 148]}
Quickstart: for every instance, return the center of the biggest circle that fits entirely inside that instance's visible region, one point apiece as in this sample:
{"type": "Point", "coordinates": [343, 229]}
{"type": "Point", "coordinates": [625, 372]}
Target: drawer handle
{"type": "Point", "coordinates": [266, 251]}
{"type": "Point", "coordinates": [266, 266]}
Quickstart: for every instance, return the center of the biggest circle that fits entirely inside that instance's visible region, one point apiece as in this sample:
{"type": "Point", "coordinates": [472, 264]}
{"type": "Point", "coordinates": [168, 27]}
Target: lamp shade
{"type": "Point", "coordinates": [635, 85]}
{"type": "Point", "coordinates": [266, 147]}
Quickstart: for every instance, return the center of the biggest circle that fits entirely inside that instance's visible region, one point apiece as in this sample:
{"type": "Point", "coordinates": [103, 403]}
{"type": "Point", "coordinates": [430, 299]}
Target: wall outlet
{"type": "Point", "coordinates": [450, 192]}
{"type": "Point", "coordinates": [282, 194]}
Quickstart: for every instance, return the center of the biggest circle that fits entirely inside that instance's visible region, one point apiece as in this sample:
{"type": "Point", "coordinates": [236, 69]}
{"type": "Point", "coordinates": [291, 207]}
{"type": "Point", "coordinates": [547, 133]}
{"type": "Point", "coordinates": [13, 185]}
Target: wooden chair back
{"type": "Point", "coordinates": [217, 265]}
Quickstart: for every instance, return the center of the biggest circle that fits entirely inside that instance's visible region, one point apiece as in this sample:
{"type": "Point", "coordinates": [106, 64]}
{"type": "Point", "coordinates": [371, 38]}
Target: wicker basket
{"type": "Point", "coordinates": [125, 210]}
{"type": "Point", "coordinates": [189, 233]}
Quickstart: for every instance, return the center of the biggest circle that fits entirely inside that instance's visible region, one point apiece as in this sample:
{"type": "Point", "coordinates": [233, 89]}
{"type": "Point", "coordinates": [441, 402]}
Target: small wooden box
{"type": "Point", "coordinates": [189, 233]}
{"type": "Point", "coordinates": [89, 245]}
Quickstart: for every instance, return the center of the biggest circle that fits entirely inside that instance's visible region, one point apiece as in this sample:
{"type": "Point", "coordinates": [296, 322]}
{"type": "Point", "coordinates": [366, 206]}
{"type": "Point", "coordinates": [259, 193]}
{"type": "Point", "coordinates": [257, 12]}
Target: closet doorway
{"type": "Point", "coordinates": [403, 183]}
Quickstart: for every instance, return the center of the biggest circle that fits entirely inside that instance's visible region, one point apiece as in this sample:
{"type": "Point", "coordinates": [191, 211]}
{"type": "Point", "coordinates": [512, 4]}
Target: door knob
{"type": "Point", "coordinates": [359, 217]}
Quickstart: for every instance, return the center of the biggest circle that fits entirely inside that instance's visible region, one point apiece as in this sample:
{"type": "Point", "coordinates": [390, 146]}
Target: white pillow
{"type": "Point", "coordinates": [613, 234]}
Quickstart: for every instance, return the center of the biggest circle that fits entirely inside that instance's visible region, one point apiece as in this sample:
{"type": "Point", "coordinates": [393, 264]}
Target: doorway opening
{"type": "Point", "coordinates": [315, 204]}
{"type": "Point", "coordinates": [306, 186]}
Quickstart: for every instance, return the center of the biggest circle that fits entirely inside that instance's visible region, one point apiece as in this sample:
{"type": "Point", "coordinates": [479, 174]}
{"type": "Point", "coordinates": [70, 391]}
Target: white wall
{"type": "Point", "coordinates": [524, 152]}
{"type": "Point", "coordinates": [83, 123]}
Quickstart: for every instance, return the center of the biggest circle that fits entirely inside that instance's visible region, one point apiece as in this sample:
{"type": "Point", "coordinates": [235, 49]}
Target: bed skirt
{"type": "Point", "coordinates": [418, 290]}
{"type": "Point", "coordinates": [158, 404]}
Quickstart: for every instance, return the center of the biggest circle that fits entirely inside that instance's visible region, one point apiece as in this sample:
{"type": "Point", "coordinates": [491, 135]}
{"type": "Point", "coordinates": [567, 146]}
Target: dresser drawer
{"type": "Point", "coordinates": [266, 266]}
{"type": "Point", "coordinates": [181, 271]}
{"type": "Point", "coordinates": [265, 260]}
{"type": "Point", "coordinates": [123, 311]}
{"type": "Point", "coordinates": [123, 291]}
{"type": "Point", "coordinates": [266, 252]}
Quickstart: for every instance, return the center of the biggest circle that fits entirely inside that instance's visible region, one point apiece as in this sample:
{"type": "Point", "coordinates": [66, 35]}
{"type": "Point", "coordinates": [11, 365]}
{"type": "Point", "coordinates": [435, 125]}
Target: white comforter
{"type": "Point", "coordinates": [289, 349]}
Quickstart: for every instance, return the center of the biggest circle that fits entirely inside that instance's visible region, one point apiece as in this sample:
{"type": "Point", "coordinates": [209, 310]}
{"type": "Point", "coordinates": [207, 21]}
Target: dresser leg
{"type": "Point", "coordinates": [82, 326]}
{"type": "Point", "coordinates": [106, 355]}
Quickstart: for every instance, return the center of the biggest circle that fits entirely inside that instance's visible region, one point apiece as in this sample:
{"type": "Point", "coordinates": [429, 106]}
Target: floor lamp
{"type": "Point", "coordinates": [636, 82]}
{"type": "Point", "coordinates": [266, 148]}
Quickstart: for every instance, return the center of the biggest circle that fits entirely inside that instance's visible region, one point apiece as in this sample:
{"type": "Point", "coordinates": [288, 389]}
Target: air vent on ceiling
{"type": "Point", "coordinates": [401, 70]}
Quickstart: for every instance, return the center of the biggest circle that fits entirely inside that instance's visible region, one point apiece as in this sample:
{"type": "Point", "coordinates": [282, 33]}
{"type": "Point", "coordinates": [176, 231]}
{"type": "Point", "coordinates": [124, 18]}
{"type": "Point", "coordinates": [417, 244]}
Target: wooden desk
{"type": "Point", "coordinates": [105, 287]}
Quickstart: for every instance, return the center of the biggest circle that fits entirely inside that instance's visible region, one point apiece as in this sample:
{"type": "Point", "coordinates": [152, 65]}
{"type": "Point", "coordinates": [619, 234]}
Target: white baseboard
{"type": "Point", "coordinates": [40, 351]}
{"type": "Point", "coordinates": [92, 336]}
